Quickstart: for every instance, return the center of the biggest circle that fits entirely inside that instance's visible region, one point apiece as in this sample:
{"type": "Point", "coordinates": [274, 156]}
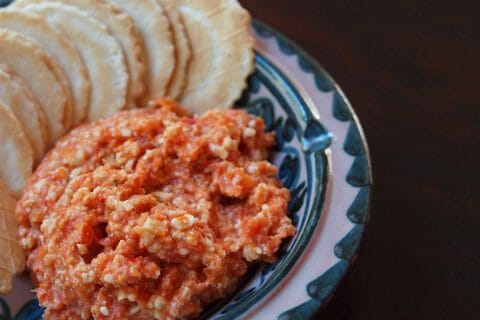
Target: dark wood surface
{"type": "Point", "coordinates": [412, 72]}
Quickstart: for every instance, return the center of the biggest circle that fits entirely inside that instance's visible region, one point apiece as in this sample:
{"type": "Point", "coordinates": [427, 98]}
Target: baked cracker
{"type": "Point", "coordinates": [15, 94]}
{"type": "Point", "coordinates": [124, 30]}
{"type": "Point", "coordinates": [29, 61]}
{"type": "Point", "coordinates": [100, 51]}
{"type": "Point", "coordinates": [182, 50]}
{"type": "Point", "coordinates": [222, 46]}
{"type": "Point", "coordinates": [16, 153]}
{"type": "Point", "coordinates": [154, 28]}
{"type": "Point", "coordinates": [12, 256]}
{"type": "Point", "coordinates": [61, 50]}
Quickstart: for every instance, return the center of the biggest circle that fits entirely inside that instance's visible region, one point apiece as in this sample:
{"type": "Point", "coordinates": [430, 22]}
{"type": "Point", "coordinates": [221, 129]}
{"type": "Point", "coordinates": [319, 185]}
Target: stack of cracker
{"type": "Point", "coordinates": [64, 62]}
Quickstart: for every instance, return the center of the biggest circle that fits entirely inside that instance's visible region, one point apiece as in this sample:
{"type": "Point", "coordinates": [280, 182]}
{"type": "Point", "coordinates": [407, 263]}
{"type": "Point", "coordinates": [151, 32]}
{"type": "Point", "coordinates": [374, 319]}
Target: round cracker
{"type": "Point", "coordinates": [157, 41]}
{"type": "Point", "coordinates": [27, 60]}
{"type": "Point", "coordinates": [12, 256]}
{"type": "Point", "coordinates": [124, 30]}
{"type": "Point", "coordinates": [6, 279]}
{"type": "Point", "coordinates": [9, 228]}
{"type": "Point", "coordinates": [182, 50]}
{"type": "Point", "coordinates": [222, 47]}
{"type": "Point", "coordinates": [15, 94]}
{"type": "Point", "coordinates": [62, 51]}
{"type": "Point", "coordinates": [16, 153]}
{"type": "Point", "coordinates": [100, 51]}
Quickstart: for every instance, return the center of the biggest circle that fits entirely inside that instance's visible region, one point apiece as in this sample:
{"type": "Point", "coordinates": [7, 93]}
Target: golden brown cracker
{"type": "Point", "coordinates": [222, 46]}
{"type": "Point", "coordinates": [59, 47]}
{"type": "Point", "coordinates": [154, 28]}
{"type": "Point", "coordinates": [29, 61]}
{"type": "Point", "coordinates": [182, 50]}
{"type": "Point", "coordinates": [12, 256]}
{"type": "Point", "coordinates": [16, 153]}
{"type": "Point", "coordinates": [124, 30]}
{"type": "Point", "coordinates": [100, 51]}
{"type": "Point", "coordinates": [15, 94]}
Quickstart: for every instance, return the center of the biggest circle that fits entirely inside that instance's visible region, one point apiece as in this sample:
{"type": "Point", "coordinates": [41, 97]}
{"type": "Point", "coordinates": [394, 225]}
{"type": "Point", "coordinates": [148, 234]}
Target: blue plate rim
{"type": "Point", "coordinates": [338, 272]}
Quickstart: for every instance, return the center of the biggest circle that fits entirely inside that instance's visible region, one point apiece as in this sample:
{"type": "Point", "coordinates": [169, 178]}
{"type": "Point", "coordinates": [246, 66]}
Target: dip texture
{"type": "Point", "coordinates": [151, 214]}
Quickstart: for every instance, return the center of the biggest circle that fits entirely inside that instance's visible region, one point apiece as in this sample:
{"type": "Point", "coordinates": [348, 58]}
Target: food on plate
{"type": "Point", "coordinates": [12, 256]}
{"type": "Point", "coordinates": [222, 46]}
{"type": "Point", "coordinates": [15, 94]}
{"type": "Point", "coordinates": [28, 60]}
{"type": "Point", "coordinates": [154, 29]}
{"type": "Point", "coordinates": [125, 32]}
{"type": "Point", "coordinates": [100, 51]}
{"type": "Point", "coordinates": [151, 213]}
{"type": "Point", "coordinates": [147, 213]}
{"type": "Point", "coordinates": [60, 49]}
{"type": "Point", "coordinates": [199, 52]}
{"type": "Point", "coordinates": [16, 153]}
{"type": "Point", "coordinates": [182, 50]}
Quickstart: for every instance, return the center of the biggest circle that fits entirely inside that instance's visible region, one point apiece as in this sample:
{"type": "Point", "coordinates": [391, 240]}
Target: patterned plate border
{"type": "Point", "coordinates": [358, 176]}
{"type": "Point", "coordinates": [318, 273]}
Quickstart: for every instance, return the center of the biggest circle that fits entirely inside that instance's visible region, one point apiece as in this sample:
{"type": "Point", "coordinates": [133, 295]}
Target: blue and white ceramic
{"type": "Point", "coordinates": [322, 158]}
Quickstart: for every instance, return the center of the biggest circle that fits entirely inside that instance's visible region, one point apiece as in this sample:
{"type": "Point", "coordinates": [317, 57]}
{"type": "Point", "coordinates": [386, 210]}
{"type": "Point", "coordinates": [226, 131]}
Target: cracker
{"type": "Point", "coordinates": [62, 51]}
{"type": "Point", "coordinates": [124, 30]}
{"type": "Point", "coordinates": [182, 50]}
{"type": "Point", "coordinates": [12, 256]}
{"type": "Point", "coordinates": [100, 51]}
{"type": "Point", "coordinates": [16, 153]}
{"type": "Point", "coordinates": [222, 46]}
{"type": "Point", "coordinates": [15, 94]}
{"type": "Point", "coordinates": [29, 61]}
{"type": "Point", "coordinates": [154, 28]}
{"type": "Point", "coordinates": [6, 277]}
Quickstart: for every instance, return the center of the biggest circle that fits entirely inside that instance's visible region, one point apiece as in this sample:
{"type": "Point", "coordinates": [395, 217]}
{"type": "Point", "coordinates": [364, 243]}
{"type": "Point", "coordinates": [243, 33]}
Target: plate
{"type": "Point", "coordinates": [323, 158]}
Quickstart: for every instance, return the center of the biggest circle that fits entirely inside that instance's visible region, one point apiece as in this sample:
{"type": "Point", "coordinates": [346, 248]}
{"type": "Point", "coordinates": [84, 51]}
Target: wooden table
{"type": "Point", "coordinates": [412, 72]}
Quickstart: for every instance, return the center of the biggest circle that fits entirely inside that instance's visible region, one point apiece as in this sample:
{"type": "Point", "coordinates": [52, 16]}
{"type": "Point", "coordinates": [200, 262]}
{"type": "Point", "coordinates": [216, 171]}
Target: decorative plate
{"type": "Point", "coordinates": [322, 158]}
